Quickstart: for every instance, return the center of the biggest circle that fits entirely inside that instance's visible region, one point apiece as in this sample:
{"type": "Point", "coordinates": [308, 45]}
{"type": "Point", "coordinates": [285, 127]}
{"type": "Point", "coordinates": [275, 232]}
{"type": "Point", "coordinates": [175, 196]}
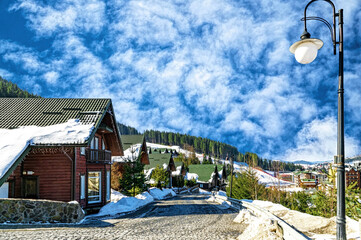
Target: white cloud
{"type": "Point", "coordinates": [51, 77]}
{"type": "Point", "coordinates": [69, 15]}
{"type": "Point", "coordinates": [317, 140]}
{"type": "Point", "coordinates": [220, 69]}
{"type": "Point", "coordinates": [6, 74]}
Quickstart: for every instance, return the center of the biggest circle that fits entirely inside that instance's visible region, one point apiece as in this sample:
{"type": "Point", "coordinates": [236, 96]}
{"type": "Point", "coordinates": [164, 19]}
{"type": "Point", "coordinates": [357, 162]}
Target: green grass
{"type": "Point", "coordinates": [204, 171]}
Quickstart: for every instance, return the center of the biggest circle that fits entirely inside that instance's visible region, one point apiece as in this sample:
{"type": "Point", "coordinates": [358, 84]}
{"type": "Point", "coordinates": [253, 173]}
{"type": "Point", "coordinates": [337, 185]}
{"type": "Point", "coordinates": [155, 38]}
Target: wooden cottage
{"type": "Point", "coordinates": [164, 160]}
{"type": "Point", "coordinates": [135, 149]}
{"type": "Point", "coordinates": [208, 176]}
{"type": "Point", "coordinates": [54, 162]}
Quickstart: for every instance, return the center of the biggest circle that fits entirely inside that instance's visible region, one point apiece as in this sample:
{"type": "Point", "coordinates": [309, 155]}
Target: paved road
{"type": "Point", "coordinates": [183, 217]}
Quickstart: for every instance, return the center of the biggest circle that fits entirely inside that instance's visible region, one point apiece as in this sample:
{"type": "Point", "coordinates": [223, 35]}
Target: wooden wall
{"type": "Point", "coordinates": [53, 171]}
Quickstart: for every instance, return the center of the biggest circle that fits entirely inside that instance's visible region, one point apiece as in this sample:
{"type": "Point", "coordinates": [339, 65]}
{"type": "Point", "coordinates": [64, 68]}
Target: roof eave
{"type": "Point", "coordinates": [14, 165]}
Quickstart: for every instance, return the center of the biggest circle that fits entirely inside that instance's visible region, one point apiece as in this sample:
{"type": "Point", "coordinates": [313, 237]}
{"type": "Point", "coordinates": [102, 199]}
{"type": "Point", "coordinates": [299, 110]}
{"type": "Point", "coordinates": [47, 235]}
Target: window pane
{"type": "Point", "coordinates": [82, 187]}
{"type": "Point", "coordinates": [108, 185]}
{"type": "Point", "coordinates": [94, 187]}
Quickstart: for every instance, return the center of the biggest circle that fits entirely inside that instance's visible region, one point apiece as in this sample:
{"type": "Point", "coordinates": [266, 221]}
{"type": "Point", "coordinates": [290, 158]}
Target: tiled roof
{"type": "Point", "coordinates": [158, 159]}
{"type": "Point", "coordinates": [15, 112]}
{"type": "Point", "coordinates": [129, 140]}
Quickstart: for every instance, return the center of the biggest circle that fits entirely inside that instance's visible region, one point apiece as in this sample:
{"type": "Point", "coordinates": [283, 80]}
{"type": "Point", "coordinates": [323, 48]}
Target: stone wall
{"type": "Point", "coordinates": [39, 211]}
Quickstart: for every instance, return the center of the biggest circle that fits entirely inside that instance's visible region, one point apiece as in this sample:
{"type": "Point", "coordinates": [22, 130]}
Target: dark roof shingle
{"type": "Point", "coordinates": [16, 112]}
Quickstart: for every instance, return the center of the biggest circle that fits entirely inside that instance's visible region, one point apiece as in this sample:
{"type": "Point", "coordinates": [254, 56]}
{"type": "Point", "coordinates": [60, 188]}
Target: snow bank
{"type": "Point", "coordinates": [321, 227]}
{"type": "Point", "coordinates": [116, 196]}
{"type": "Point", "coordinates": [14, 142]}
{"type": "Point", "coordinates": [158, 194]}
{"type": "Point", "coordinates": [223, 203]}
{"type": "Point", "coordinates": [222, 193]}
{"type": "Point", "coordinates": [270, 206]}
{"type": "Point", "coordinates": [257, 229]}
{"type": "Point", "coordinates": [201, 191]}
{"type": "Point", "coordinates": [125, 204]}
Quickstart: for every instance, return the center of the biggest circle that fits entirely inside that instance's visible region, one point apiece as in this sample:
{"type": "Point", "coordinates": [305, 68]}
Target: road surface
{"type": "Point", "coordinates": [183, 217]}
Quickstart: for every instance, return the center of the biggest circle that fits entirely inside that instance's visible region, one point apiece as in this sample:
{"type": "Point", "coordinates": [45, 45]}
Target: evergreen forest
{"type": "Point", "coordinates": [11, 90]}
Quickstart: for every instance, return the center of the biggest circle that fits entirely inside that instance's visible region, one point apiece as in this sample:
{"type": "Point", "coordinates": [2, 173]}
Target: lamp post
{"type": "Point", "coordinates": [230, 191]}
{"type": "Point", "coordinates": [305, 52]}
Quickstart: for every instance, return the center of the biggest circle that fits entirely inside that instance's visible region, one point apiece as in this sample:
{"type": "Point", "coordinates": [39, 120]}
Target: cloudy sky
{"type": "Point", "coordinates": [215, 69]}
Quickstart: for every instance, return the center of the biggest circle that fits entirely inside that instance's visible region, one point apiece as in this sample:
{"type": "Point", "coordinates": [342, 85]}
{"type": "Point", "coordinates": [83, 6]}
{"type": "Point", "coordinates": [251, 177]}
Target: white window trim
{"type": "Point", "coordinates": [100, 187]}
{"type": "Point", "coordinates": [82, 186]}
{"type": "Point", "coordinates": [82, 150]}
{"type": "Point", "coordinates": [108, 185]}
{"type": "Point", "coordinates": [103, 144]}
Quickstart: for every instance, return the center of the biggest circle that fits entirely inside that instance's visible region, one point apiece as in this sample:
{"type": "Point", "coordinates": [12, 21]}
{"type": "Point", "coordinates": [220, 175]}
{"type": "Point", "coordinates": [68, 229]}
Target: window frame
{"type": "Point", "coordinates": [108, 191]}
{"type": "Point", "coordinates": [82, 150]}
{"type": "Point", "coordinates": [100, 188]}
{"type": "Point", "coordinates": [82, 187]}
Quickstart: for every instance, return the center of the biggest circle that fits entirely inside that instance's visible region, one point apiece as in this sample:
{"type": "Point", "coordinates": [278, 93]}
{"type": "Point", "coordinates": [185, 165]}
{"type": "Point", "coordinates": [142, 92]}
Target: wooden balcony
{"type": "Point", "coordinates": [98, 156]}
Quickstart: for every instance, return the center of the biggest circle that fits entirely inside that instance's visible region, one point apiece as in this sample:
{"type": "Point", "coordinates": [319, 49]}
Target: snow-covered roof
{"type": "Point", "coordinates": [51, 122]}
{"type": "Point", "coordinates": [15, 142]}
{"type": "Point", "coordinates": [130, 154]}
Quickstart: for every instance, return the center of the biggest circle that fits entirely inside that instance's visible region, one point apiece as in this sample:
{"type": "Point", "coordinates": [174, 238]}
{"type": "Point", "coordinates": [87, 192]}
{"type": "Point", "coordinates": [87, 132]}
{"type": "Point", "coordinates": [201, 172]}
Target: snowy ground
{"type": "Point", "coordinates": [122, 204]}
{"type": "Point", "coordinates": [318, 228]}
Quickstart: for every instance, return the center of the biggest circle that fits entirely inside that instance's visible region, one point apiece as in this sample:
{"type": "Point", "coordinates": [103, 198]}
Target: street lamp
{"type": "Point", "coordinates": [305, 52]}
{"type": "Point", "coordinates": [231, 161]}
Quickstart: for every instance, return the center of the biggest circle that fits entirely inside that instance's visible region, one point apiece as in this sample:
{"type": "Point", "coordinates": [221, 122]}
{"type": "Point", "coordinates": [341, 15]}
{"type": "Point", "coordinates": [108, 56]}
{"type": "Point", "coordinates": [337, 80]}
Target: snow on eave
{"type": "Point", "coordinates": [15, 142]}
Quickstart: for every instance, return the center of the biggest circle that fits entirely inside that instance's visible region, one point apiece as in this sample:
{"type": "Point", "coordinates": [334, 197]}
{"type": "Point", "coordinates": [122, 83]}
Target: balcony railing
{"type": "Point", "coordinates": [98, 156]}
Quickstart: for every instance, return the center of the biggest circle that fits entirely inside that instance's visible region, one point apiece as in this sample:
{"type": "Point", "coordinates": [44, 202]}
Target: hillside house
{"type": "Point", "coordinates": [60, 149]}
{"type": "Point", "coordinates": [208, 175]}
{"type": "Point", "coordinates": [353, 177]}
{"type": "Point", "coordinates": [163, 160]}
{"type": "Point", "coordinates": [135, 150]}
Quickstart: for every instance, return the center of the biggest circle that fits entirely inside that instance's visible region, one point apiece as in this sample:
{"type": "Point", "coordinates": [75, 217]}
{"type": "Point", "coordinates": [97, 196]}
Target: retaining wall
{"type": "Point", "coordinates": [39, 211]}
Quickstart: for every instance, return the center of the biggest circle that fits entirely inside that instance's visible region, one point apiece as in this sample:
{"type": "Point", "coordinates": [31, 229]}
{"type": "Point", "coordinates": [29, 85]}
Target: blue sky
{"type": "Point", "coordinates": [215, 69]}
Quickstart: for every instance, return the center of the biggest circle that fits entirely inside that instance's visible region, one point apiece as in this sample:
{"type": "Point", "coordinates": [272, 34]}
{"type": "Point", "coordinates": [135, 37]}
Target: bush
{"type": "Point", "coordinates": [190, 183]}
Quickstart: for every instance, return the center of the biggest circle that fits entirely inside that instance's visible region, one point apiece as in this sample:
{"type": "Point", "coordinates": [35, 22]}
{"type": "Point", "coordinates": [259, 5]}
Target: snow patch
{"type": "Point", "coordinates": [124, 204]}
{"type": "Point", "coordinates": [158, 194]}
{"type": "Point", "coordinates": [191, 176]}
{"type": "Point", "coordinates": [204, 192]}
{"type": "Point", "coordinates": [257, 229]}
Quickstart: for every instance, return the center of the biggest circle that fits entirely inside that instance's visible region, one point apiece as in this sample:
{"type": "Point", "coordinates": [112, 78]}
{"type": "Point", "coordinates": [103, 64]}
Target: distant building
{"type": "Point", "coordinates": [208, 175]}
{"type": "Point", "coordinates": [310, 179]}
{"type": "Point", "coordinates": [352, 177]}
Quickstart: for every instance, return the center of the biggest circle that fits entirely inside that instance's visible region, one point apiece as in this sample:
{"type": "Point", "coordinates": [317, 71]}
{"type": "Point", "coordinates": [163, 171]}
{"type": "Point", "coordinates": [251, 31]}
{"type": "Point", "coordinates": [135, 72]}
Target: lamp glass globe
{"type": "Point", "coordinates": [306, 52]}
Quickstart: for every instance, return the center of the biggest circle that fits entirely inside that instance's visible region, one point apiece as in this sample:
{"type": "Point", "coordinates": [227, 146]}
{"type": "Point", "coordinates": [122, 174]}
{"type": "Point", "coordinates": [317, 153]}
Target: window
{"type": "Point", "coordinates": [94, 187]}
{"type": "Point", "coordinates": [94, 143]}
{"type": "Point", "coordinates": [108, 185]}
{"type": "Point", "coordinates": [82, 186]}
{"type": "Point", "coordinates": [82, 150]}
{"type": "Point", "coordinates": [103, 144]}
{"type": "Point", "coordinates": [95, 146]}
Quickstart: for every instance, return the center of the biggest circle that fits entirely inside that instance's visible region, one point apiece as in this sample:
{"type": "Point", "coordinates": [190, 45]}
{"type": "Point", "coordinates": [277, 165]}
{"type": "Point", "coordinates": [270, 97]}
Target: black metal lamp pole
{"type": "Point", "coordinates": [302, 57]}
{"type": "Point", "coordinates": [230, 191]}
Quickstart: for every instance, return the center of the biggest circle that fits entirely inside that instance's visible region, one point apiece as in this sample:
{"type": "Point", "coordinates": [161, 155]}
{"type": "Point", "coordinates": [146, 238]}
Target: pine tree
{"type": "Point", "coordinates": [160, 176]}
